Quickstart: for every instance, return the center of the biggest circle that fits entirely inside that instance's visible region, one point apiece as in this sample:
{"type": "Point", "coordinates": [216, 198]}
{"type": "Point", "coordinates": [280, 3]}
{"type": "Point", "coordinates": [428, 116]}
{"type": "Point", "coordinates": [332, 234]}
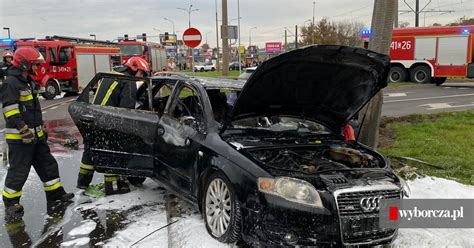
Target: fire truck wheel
{"type": "Point", "coordinates": [420, 74]}
{"type": "Point", "coordinates": [51, 90]}
{"type": "Point", "coordinates": [438, 80]}
{"type": "Point", "coordinates": [397, 74]}
{"type": "Point", "coordinates": [136, 181]}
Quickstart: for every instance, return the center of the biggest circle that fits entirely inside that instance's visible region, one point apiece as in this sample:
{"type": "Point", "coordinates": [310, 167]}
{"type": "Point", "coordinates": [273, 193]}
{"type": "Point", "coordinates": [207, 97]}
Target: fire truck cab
{"type": "Point", "coordinates": [153, 53]}
{"type": "Point", "coordinates": [69, 66]}
{"type": "Point", "coordinates": [430, 54]}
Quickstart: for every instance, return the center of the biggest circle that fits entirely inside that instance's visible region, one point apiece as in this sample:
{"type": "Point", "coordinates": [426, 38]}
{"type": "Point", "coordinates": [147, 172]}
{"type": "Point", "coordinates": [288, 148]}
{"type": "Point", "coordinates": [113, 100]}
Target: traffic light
{"type": "Point", "coordinates": [166, 36]}
{"type": "Point", "coordinates": [144, 36]}
{"type": "Point", "coordinates": [125, 36]}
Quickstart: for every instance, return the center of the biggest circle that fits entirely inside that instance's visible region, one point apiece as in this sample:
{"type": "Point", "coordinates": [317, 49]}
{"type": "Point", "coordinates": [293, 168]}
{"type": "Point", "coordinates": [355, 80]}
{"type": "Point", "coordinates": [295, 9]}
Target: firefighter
{"type": "Point", "coordinates": [26, 136]}
{"type": "Point", "coordinates": [117, 94]}
{"type": "Point", "coordinates": [7, 63]}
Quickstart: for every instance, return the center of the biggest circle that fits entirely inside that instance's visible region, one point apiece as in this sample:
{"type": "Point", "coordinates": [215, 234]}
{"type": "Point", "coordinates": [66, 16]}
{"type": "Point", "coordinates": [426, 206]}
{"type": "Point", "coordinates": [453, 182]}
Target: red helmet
{"type": "Point", "coordinates": [137, 63]}
{"type": "Point", "coordinates": [24, 57]}
{"type": "Point", "coordinates": [7, 54]}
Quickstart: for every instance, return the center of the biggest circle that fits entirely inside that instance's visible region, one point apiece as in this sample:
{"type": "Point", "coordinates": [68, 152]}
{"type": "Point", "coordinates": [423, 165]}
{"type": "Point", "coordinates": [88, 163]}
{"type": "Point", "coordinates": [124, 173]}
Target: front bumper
{"type": "Point", "coordinates": [271, 221]}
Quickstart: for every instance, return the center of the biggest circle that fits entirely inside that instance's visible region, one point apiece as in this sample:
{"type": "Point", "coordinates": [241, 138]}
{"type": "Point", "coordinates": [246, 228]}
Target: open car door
{"type": "Point", "coordinates": [120, 140]}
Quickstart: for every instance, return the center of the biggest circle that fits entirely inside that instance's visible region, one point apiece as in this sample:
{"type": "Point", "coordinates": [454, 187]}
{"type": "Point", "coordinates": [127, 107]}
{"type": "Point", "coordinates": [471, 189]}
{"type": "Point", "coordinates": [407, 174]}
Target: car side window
{"type": "Point", "coordinates": [42, 50]}
{"type": "Point", "coordinates": [64, 55]}
{"type": "Point", "coordinates": [187, 107]}
{"type": "Point", "coordinates": [52, 55]}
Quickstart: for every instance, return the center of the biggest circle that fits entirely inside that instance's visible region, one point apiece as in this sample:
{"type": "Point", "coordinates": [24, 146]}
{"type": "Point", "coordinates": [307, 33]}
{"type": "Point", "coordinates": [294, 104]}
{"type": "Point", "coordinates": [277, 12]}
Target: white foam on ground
{"type": "Point", "coordinates": [433, 187]}
{"type": "Point", "coordinates": [147, 230]}
{"type": "Point", "coordinates": [147, 194]}
{"type": "Point", "coordinates": [86, 227]}
{"type": "Point", "coordinates": [76, 242]}
{"type": "Point", "coordinates": [190, 232]}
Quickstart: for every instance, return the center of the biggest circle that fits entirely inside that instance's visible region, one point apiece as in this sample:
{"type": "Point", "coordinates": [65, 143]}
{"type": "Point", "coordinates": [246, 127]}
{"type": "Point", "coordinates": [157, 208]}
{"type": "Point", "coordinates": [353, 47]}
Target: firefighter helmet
{"type": "Point", "coordinates": [24, 57]}
{"type": "Point", "coordinates": [137, 63]}
{"type": "Point", "coordinates": [7, 54]}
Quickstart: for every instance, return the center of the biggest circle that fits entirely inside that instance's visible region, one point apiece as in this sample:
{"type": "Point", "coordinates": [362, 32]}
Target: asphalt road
{"type": "Point", "coordinates": [426, 99]}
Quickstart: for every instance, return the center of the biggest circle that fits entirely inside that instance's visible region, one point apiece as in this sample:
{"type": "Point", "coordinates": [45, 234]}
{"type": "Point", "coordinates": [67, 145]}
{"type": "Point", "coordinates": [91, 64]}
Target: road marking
{"type": "Point", "coordinates": [447, 87]}
{"type": "Point", "coordinates": [444, 105]}
{"type": "Point", "coordinates": [55, 107]}
{"type": "Point", "coordinates": [427, 98]}
{"type": "Point", "coordinates": [463, 88]}
{"type": "Point", "coordinates": [395, 94]}
{"type": "Point", "coordinates": [44, 112]}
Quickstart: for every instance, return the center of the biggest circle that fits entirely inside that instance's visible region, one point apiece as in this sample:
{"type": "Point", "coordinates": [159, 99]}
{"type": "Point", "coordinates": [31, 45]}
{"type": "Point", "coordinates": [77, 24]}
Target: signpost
{"type": "Point", "coordinates": [192, 38]}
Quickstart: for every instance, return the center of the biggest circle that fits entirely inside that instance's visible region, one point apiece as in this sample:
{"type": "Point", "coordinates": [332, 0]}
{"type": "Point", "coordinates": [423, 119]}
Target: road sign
{"type": "Point", "coordinates": [192, 37]}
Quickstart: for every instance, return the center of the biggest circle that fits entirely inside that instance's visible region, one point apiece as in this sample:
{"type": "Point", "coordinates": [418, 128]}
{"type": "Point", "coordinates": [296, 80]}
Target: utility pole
{"type": "Point", "coordinates": [238, 49]}
{"type": "Point", "coordinates": [417, 10]}
{"type": "Point", "coordinates": [217, 39]}
{"type": "Point", "coordinates": [296, 36]}
{"type": "Point", "coordinates": [380, 39]}
{"type": "Point", "coordinates": [286, 41]}
{"type": "Point", "coordinates": [225, 41]}
{"type": "Point", "coordinates": [312, 28]}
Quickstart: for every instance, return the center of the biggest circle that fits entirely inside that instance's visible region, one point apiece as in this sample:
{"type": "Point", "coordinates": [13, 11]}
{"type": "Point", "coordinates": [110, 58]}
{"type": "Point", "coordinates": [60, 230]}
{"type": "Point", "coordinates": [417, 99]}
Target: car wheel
{"type": "Point", "coordinates": [202, 69]}
{"type": "Point", "coordinates": [136, 181]}
{"type": "Point", "coordinates": [420, 74]}
{"type": "Point", "coordinates": [439, 80]}
{"type": "Point", "coordinates": [221, 210]}
{"type": "Point", "coordinates": [397, 74]}
{"type": "Point", "coordinates": [213, 69]}
{"type": "Point", "coordinates": [51, 90]}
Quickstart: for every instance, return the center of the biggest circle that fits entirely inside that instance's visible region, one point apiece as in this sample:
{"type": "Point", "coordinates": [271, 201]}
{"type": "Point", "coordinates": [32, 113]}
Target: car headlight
{"type": "Point", "coordinates": [405, 187]}
{"type": "Point", "coordinates": [291, 189]}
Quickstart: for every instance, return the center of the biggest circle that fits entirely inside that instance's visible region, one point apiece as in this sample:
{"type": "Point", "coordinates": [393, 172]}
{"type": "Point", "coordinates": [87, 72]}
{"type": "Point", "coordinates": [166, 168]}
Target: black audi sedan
{"type": "Point", "coordinates": [265, 161]}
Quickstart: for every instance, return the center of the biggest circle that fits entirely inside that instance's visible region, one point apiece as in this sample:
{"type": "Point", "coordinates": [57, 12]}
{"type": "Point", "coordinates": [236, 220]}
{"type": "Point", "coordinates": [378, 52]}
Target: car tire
{"type": "Point", "coordinates": [438, 80]}
{"type": "Point", "coordinates": [136, 181]}
{"type": "Point", "coordinates": [420, 74]}
{"type": "Point", "coordinates": [51, 90]}
{"type": "Point", "coordinates": [213, 69]}
{"type": "Point", "coordinates": [397, 74]}
{"type": "Point", "coordinates": [219, 196]}
{"type": "Point", "coordinates": [202, 70]}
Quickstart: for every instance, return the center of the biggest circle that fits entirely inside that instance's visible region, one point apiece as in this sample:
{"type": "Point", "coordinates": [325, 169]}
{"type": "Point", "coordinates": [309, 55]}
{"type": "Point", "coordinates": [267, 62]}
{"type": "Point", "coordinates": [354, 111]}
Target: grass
{"type": "Point", "coordinates": [445, 139]}
{"type": "Point", "coordinates": [232, 74]}
{"type": "Point", "coordinates": [400, 84]}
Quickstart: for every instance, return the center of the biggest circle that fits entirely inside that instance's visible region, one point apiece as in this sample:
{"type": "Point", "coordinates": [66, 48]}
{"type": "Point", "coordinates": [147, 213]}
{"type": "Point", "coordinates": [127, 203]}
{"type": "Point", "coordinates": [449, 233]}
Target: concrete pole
{"type": "Point", "coordinates": [382, 27]}
{"type": "Point", "coordinates": [296, 36]}
{"type": "Point", "coordinates": [417, 13]}
{"type": "Point", "coordinates": [238, 48]}
{"type": "Point", "coordinates": [225, 41]}
{"type": "Point", "coordinates": [217, 39]}
{"type": "Point", "coordinates": [286, 41]}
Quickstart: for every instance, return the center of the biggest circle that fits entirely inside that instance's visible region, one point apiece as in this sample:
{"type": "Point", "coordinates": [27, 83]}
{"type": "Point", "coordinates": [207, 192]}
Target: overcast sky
{"type": "Point", "coordinates": [109, 19]}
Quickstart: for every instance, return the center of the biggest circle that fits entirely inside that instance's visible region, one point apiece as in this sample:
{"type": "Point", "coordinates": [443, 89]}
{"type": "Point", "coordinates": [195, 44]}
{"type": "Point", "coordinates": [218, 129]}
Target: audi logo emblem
{"type": "Point", "coordinates": [370, 204]}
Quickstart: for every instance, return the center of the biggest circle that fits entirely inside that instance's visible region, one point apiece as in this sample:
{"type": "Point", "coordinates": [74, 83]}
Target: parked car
{"type": "Point", "coordinates": [247, 73]}
{"type": "Point", "coordinates": [234, 66]}
{"type": "Point", "coordinates": [270, 167]}
{"type": "Point", "coordinates": [205, 67]}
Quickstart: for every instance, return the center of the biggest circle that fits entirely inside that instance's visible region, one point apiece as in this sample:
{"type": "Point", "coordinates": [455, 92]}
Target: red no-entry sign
{"type": "Point", "coordinates": [192, 37]}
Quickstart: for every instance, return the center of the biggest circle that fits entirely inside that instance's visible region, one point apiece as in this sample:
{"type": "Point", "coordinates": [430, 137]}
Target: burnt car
{"type": "Point", "coordinates": [264, 161]}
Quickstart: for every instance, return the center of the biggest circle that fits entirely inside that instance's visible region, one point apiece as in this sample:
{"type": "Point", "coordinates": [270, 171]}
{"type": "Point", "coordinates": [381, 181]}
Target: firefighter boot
{"type": "Point", "coordinates": [14, 213]}
{"type": "Point", "coordinates": [115, 185]}
{"type": "Point", "coordinates": [83, 180]}
{"type": "Point", "coordinates": [58, 197]}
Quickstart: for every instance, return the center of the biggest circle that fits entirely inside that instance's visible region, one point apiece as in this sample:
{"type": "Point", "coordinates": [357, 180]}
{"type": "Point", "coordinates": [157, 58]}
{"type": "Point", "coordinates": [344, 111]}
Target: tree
{"type": "Point", "coordinates": [205, 47]}
{"type": "Point", "coordinates": [382, 26]}
{"type": "Point", "coordinates": [436, 24]}
{"type": "Point", "coordinates": [403, 24]}
{"type": "Point", "coordinates": [462, 21]}
{"type": "Point", "coordinates": [327, 32]}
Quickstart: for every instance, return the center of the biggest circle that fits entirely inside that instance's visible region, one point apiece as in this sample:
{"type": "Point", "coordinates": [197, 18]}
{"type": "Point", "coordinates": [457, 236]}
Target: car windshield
{"type": "Point", "coordinates": [130, 50]}
{"type": "Point", "coordinates": [280, 124]}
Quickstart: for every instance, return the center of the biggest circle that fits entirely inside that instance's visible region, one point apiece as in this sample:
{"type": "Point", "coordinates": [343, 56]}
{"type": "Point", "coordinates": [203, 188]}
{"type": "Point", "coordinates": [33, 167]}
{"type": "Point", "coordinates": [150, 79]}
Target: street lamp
{"type": "Point", "coordinates": [250, 35]}
{"type": "Point", "coordinates": [171, 23]}
{"type": "Point", "coordinates": [8, 30]}
{"type": "Point", "coordinates": [93, 35]}
{"type": "Point", "coordinates": [206, 36]}
{"type": "Point", "coordinates": [189, 11]}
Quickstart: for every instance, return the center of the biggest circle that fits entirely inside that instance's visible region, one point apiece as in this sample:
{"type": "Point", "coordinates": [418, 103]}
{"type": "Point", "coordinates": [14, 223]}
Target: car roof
{"type": "Point", "coordinates": [207, 82]}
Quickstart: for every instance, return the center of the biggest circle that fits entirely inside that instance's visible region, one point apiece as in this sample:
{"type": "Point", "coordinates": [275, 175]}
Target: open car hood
{"type": "Point", "coordinates": [325, 83]}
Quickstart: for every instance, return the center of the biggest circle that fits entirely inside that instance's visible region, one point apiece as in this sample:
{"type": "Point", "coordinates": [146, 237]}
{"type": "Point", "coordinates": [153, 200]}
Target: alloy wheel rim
{"type": "Point", "coordinates": [396, 76]}
{"type": "Point", "coordinates": [218, 207]}
{"type": "Point", "coordinates": [51, 89]}
{"type": "Point", "coordinates": [420, 76]}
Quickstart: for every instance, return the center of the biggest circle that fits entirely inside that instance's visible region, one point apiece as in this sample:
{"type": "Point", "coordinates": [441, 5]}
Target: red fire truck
{"type": "Point", "coordinates": [70, 66]}
{"type": "Point", "coordinates": [430, 54]}
{"type": "Point", "coordinates": [154, 53]}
